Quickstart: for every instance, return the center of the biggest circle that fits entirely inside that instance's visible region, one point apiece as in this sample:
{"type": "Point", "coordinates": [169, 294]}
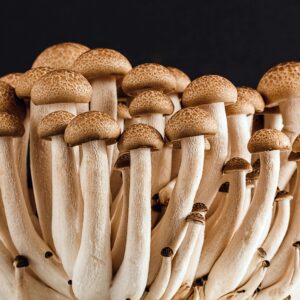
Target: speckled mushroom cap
{"type": "Point", "coordinates": [140, 136]}
{"type": "Point", "coordinates": [182, 80]}
{"type": "Point", "coordinates": [296, 144]}
{"type": "Point", "coordinates": [123, 161]}
{"type": "Point", "coordinates": [151, 102]}
{"type": "Point", "coordinates": [10, 125]}
{"type": "Point", "coordinates": [54, 123]}
{"type": "Point", "coordinates": [123, 111]}
{"type": "Point", "coordinates": [28, 79]}
{"type": "Point", "coordinates": [59, 56]}
{"type": "Point", "coordinates": [188, 122]}
{"type": "Point", "coordinates": [92, 125]}
{"type": "Point", "coordinates": [283, 196]}
{"type": "Point", "coordinates": [209, 89]}
{"type": "Point", "coordinates": [61, 86]}
{"type": "Point", "coordinates": [268, 140]}
{"type": "Point", "coordinates": [237, 164]}
{"type": "Point", "coordinates": [148, 76]}
{"type": "Point", "coordinates": [11, 79]}
{"type": "Point", "coordinates": [280, 83]}
{"type": "Point", "coordinates": [101, 62]}
{"type": "Point", "coordinates": [9, 102]}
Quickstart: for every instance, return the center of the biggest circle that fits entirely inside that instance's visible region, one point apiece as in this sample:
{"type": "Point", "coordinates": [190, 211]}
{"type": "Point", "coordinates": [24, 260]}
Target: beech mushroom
{"type": "Point", "coordinates": [20, 263]}
{"type": "Point", "coordinates": [272, 118]}
{"type": "Point", "coordinates": [11, 78]}
{"type": "Point", "coordinates": [139, 140]}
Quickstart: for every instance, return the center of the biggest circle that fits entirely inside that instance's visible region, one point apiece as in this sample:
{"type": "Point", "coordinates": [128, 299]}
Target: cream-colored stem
{"type": "Point", "coordinates": [130, 281]}
{"type": "Point", "coordinates": [166, 192]}
{"type": "Point", "coordinates": [246, 205]}
{"type": "Point", "coordinates": [215, 205]}
{"type": "Point", "coordinates": [227, 272]}
{"type": "Point", "coordinates": [250, 122]}
{"type": "Point", "coordinates": [181, 201]}
{"type": "Point", "coordinates": [21, 285]}
{"type": "Point", "coordinates": [23, 234]}
{"type": "Point", "coordinates": [82, 108]}
{"type": "Point", "coordinates": [115, 220]}
{"type": "Point", "coordinates": [176, 161]}
{"type": "Point", "coordinates": [93, 267]}
{"type": "Point", "coordinates": [273, 121]}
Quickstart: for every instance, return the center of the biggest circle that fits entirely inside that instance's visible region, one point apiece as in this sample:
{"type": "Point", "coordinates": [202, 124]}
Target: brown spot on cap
{"type": "Point", "coordinates": [283, 195]}
{"type": "Point", "coordinates": [237, 164]}
{"type": "Point", "coordinates": [92, 125]}
{"type": "Point", "coordinates": [296, 144]}
{"type": "Point", "coordinates": [123, 161]}
{"type": "Point", "coordinates": [123, 111]}
{"type": "Point", "coordinates": [10, 125]}
{"type": "Point", "coordinates": [182, 80]}
{"type": "Point", "coordinates": [12, 79]}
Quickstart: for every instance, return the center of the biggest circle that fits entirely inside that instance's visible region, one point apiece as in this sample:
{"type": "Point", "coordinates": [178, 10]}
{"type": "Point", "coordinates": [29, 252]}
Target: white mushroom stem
{"type": "Point", "coordinates": [115, 220]}
{"type": "Point", "coordinates": [181, 201]}
{"type": "Point", "coordinates": [273, 121]}
{"type": "Point", "coordinates": [246, 205]}
{"type": "Point", "coordinates": [131, 278]}
{"type": "Point", "coordinates": [166, 192]}
{"type": "Point", "coordinates": [93, 267]}
{"type": "Point", "coordinates": [227, 272]}
{"type": "Point", "coordinates": [21, 291]}
{"type": "Point", "coordinates": [176, 161]}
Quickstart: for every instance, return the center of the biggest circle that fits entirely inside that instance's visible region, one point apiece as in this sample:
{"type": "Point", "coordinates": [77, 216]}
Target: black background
{"type": "Point", "coordinates": [237, 39]}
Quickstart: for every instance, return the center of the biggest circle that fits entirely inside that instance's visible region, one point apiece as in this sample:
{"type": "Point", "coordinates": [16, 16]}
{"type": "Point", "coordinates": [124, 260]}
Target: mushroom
{"type": "Point", "coordinates": [242, 247]}
{"type": "Point", "coordinates": [188, 126]}
{"type": "Point", "coordinates": [139, 140]}
{"type": "Point", "coordinates": [272, 118]}
{"type": "Point", "coordinates": [93, 268]}
{"type": "Point", "coordinates": [20, 263]}
{"type": "Point", "coordinates": [11, 78]}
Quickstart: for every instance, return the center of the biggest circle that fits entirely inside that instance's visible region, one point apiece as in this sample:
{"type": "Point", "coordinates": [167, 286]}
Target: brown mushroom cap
{"type": "Point", "coordinates": [10, 125]}
{"type": "Point", "coordinates": [151, 102]}
{"type": "Point", "coordinates": [59, 56]}
{"type": "Point", "coordinates": [11, 79]}
{"type": "Point", "coordinates": [294, 156]}
{"type": "Point", "coordinates": [54, 123]}
{"type": "Point", "coordinates": [209, 89]}
{"type": "Point", "coordinates": [140, 136]}
{"type": "Point", "coordinates": [148, 76]}
{"type": "Point", "coordinates": [236, 164]}
{"type": "Point", "coordinates": [268, 140]}
{"type": "Point", "coordinates": [28, 79]}
{"type": "Point", "coordinates": [123, 161]}
{"type": "Point", "coordinates": [182, 80]}
{"type": "Point", "coordinates": [283, 195]}
{"type": "Point", "coordinates": [61, 86]}
{"type": "Point", "coordinates": [101, 62]}
{"type": "Point", "coordinates": [296, 144]}
{"type": "Point", "coordinates": [280, 83]}
{"type": "Point", "coordinates": [92, 125]}
{"type": "Point", "coordinates": [123, 111]}
{"type": "Point", "coordinates": [188, 122]}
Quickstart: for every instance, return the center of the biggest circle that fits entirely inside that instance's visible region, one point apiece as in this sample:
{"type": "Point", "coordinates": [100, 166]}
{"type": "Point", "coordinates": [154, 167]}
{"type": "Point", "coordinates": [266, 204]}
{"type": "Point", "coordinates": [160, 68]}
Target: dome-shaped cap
{"type": "Point", "coordinates": [54, 123]}
{"type": "Point", "coordinates": [253, 96]}
{"type": "Point", "coordinates": [10, 125]}
{"type": "Point", "coordinates": [151, 102]}
{"type": "Point", "coordinates": [92, 125]}
{"type": "Point", "coordinates": [237, 164]}
{"type": "Point", "coordinates": [148, 76]}
{"type": "Point", "coordinates": [280, 83]}
{"type": "Point", "coordinates": [283, 195]}
{"type": "Point", "coordinates": [28, 79]}
{"type": "Point", "coordinates": [268, 140]}
{"type": "Point", "coordinates": [102, 62]}
{"type": "Point", "coordinates": [123, 161]}
{"type": "Point", "coordinates": [296, 144]}
{"type": "Point", "coordinates": [140, 136]}
{"type": "Point", "coordinates": [209, 89]}
{"type": "Point", "coordinates": [188, 122]}
{"type": "Point", "coordinates": [240, 108]}
{"type": "Point", "coordinates": [123, 111]}
{"type": "Point", "coordinates": [61, 86]}
{"type": "Point", "coordinates": [182, 80]}
{"type": "Point", "coordinates": [11, 79]}
{"type": "Point", "coordinates": [59, 56]}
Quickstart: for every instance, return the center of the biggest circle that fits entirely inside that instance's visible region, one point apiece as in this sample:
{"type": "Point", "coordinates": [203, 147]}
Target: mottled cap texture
{"type": "Point", "coordinates": [280, 83]}
{"type": "Point", "coordinates": [268, 140]}
{"type": "Point", "coordinates": [92, 125]}
{"type": "Point", "coordinates": [28, 79]}
{"type": "Point", "coordinates": [54, 123]}
{"type": "Point", "coordinates": [209, 89]}
{"type": "Point", "coordinates": [283, 196]}
{"type": "Point", "coordinates": [140, 136]}
{"type": "Point", "coordinates": [151, 102]}
{"type": "Point", "coordinates": [296, 144]}
{"type": "Point", "coordinates": [61, 86]}
{"type": "Point", "coordinates": [149, 76]}
{"type": "Point", "coordinates": [123, 111]}
{"type": "Point", "coordinates": [182, 79]}
{"type": "Point", "coordinates": [102, 62]}
{"type": "Point", "coordinates": [123, 161]}
{"type": "Point", "coordinates": [11, 78]}
{"type": "Point", "coordinates": [10, 125]}
{"type": "Point", "coordinates": [59, 56]}
{"type": "Point", "coordinates": [188, 122]}
{"type": "Point", "coordinates": [237, 164]}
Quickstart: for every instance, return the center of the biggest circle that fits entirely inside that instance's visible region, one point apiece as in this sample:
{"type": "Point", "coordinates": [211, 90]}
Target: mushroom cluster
{"type": "Point", "coordinates": [144, 184]}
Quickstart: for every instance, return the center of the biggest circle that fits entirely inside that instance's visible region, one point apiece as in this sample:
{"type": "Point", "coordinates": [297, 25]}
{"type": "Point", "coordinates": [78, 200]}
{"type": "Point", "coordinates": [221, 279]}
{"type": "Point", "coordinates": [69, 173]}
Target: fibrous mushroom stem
{"type": "Point", "coordinates": [21, 284]}
{"type": "Point", "coordinates": [273, 121]}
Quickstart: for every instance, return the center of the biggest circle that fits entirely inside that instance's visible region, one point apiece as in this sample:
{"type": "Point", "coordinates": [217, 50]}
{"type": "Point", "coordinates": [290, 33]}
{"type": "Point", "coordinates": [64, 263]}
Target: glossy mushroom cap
{"type": "Point", "coordinates": [209, 89]}
{"type": "Point", "coordinates": [54, 123]}
{"type": "Point", "coordinates": [151, 102]}
{"type": "Point", "coordinates": [61, 86]}
{"type": "Point", "coordinates": [123, 161]}
{"type": "Point", "coordinates": [28, 79]}
{"type": "Point", "coordinates": [237, 164]}
{"type": "Point", "coordinates": [140, 136]}
{"type": "Point", "coordinates": [11, 79]}
{"type": "Point", "coordinates": [101, 62]}
{"type": "Point", "coordinates": [123, 111]}
{"type": "Point", "coordinates": [10, 125]}
{"type": "Point", "coordinates": [182, 80]}
{"type": "Point", "coordinates": [92, 125]}
{"type": "Point", "coordinates": [148, 77]}
{"type": "Point", "coordinates": [59, 56]}
{"type": "Point", "coordinates": [189, 122]}
{"type": "Point", "coordinates": [283, 195]}
{"type": "Point", "coordinates": [268, 140]}
{"type": "Point", "coordinates": [280, 83]}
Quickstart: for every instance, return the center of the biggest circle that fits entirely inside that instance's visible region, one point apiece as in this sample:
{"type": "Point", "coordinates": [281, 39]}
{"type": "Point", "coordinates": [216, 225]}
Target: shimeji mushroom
{"type": "Point", "coordinates": [139, 140]}
{"type": "Point", "coordinates": [242, 247]}
{"type": "Point", "coordinates": [272, 118]}
{"type": "Point", "coordinates": [188, 126]}
{"type": "Point", "coordinates": [11, 78]}
{"type": "Point", "coordinates": [93, 267]}
{"type": "Point", "coordinates": [20, 263]}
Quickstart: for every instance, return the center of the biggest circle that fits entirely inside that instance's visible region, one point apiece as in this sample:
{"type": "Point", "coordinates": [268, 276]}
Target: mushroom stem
{"type": "Point", "coordinates": [20, 278]}
{"type": "Point", "coordinates": [273, 121]}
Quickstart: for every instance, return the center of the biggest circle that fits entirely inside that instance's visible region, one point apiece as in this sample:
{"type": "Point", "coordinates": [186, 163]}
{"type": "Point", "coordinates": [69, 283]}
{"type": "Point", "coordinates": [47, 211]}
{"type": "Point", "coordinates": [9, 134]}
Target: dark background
{"type": "Point", "coordinates": [237, 39]}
